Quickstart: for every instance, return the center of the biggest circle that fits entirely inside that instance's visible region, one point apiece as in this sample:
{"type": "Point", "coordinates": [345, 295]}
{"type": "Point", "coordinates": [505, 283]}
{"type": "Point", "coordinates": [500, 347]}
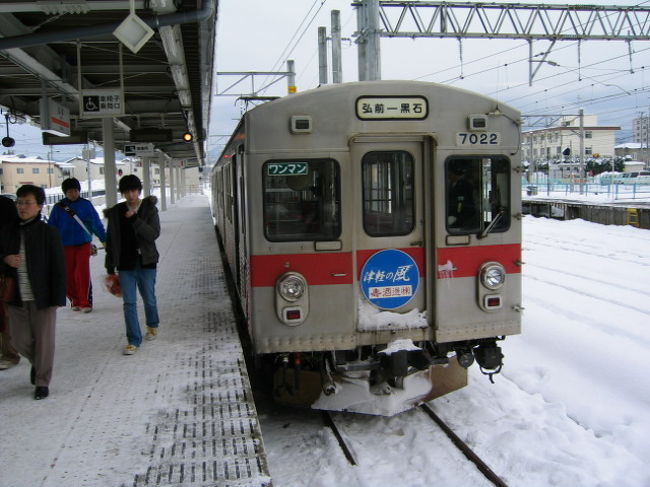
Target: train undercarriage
{"type": "Point", "coordinates": [382, 380]}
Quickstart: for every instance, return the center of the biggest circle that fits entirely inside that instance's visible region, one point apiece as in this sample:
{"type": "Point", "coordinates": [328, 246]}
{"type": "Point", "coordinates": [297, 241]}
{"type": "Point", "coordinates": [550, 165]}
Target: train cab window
{"type": "Point", "coordinates": [388, 203]}
{"type": "Point", "coordinates": [478, 195]}
{"type": "Point", "coordinates": [301, 200]}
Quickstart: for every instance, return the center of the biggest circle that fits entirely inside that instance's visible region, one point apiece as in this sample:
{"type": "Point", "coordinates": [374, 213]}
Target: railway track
{"type": "Point", "coordinates": [329, 420]}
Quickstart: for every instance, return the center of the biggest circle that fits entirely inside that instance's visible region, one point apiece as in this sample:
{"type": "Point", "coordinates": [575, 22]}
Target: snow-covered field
{"type": "Point", "coordinates": [571, 407]}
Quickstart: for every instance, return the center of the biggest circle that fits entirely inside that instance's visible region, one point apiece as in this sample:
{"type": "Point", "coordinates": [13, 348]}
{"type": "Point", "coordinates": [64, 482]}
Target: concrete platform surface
{"type": "Point", "coordinates": [178, 412]}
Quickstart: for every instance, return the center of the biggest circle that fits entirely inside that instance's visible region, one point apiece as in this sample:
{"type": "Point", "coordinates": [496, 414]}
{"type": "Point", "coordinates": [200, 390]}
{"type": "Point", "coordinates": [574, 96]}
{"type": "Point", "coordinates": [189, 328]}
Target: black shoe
{"type": "Point", "coordinates": [41, 392]}
{"type": "Point", "coordinates": [32, 376]}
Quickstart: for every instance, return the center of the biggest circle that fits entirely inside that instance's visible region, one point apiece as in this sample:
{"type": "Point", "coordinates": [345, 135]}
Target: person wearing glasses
{"type": "Point", "coordinates": [32, 252]}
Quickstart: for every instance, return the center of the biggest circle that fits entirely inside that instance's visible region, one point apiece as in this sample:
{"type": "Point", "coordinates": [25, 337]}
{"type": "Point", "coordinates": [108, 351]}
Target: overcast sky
{"type": "Point", "coordinates": [595, 76]}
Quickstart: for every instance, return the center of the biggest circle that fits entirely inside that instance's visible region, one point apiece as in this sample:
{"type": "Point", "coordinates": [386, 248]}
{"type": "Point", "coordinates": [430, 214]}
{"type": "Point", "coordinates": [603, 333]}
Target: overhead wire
{"type": "Point", "coordinates": [289, 50]}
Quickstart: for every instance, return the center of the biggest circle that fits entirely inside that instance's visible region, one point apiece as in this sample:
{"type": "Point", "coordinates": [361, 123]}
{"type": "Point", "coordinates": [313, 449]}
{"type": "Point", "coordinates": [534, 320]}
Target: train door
{"type": "Point", "coordinates": [390, 245]}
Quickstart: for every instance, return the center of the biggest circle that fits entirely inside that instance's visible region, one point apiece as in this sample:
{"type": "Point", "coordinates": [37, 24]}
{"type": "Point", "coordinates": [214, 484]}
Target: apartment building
{"type": "Point", "coordinates": [562, 141]}
{"type": "Point", "coordinates": [17, 170]}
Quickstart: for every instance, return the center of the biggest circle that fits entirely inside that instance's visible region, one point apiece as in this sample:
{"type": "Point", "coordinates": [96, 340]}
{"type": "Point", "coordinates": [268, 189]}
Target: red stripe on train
{"type": "Point", "coordinates": [466, 261]}
{"type": "Point", "coordinates": [335, 268]}
{"type": "Point", "coordinates": [318, 269]}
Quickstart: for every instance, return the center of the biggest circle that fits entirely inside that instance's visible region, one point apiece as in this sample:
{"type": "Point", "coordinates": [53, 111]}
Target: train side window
{"type": "Point", "coordinates": [301, 200]}
{"type": "Point", "coordinates": [478, 194]}
{"type": "Point", "coordinates": [388, 200]}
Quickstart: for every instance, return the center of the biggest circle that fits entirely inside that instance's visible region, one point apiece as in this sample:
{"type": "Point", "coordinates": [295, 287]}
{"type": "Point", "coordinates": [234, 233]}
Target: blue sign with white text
{"type": "Point", "coordinates": [389, 279]}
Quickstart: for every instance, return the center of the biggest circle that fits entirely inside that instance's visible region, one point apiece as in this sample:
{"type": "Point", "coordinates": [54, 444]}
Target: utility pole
{"type": "Point", "coordinates": [582, 148]}
{"type": "Point", "coordinates": [337, 68]}
{"type": "Point", "coordinates": [322, 56]}
{"type": "Point", "coordinates": [647, 140]}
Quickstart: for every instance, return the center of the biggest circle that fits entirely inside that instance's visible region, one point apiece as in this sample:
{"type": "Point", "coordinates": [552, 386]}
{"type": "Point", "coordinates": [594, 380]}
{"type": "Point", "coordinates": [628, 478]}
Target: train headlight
{"type": "Point", "coordinates": [492, 275]}
{"type": "Point", "coordinates": [291, 287]}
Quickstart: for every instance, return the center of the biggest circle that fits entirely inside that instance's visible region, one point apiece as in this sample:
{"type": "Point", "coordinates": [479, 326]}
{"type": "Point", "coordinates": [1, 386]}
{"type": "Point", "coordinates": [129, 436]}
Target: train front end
{"type": "Point", "coordinates": [383, 233]}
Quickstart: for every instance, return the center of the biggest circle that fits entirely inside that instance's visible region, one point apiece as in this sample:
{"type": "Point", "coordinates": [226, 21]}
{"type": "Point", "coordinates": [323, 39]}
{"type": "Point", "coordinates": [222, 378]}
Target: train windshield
{"type": "Point", "coordinates": [478, 194]}
{"type": "Point", "coordinates": [301, 200]}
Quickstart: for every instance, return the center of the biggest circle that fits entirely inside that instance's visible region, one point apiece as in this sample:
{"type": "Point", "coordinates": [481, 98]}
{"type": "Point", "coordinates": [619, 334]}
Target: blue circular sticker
{"type": "Point", "coordinates": [389, 279]}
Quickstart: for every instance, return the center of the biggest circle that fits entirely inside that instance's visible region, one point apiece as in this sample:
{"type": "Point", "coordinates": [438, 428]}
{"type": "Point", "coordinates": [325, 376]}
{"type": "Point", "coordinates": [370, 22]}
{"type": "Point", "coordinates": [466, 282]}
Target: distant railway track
{"type": "Point", "coordinates": [487, 472]}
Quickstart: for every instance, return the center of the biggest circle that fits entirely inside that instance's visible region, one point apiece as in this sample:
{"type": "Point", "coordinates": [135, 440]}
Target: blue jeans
{"type": "Point", "coordinates": [145, 280]}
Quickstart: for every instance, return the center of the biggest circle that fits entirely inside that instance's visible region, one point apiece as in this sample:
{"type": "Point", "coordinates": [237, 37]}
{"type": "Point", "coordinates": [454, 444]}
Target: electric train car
{"type": "Point", "coordinates": [373, 233]}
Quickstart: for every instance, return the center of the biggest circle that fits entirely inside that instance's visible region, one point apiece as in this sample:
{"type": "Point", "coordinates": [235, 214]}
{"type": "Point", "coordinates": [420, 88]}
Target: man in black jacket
{"type": "Point", "coordinates": [133, 227]}
{"type": "Point", "coordinates": [33, 254]}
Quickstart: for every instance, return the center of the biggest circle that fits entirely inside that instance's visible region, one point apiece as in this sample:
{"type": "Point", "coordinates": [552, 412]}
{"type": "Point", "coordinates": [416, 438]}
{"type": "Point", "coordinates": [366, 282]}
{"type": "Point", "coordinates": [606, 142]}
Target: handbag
{"type": "Point", "coordinates": [112, 284]}
{"type": "Point", "coordinates": [7, 288]}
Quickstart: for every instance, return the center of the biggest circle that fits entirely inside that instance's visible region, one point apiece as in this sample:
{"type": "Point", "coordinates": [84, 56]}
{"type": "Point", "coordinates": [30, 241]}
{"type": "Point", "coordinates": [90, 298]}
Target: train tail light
{"type": "Point", "coordinates": [292, 314]}
{"type": "Point", "coordinates": [492, 301]}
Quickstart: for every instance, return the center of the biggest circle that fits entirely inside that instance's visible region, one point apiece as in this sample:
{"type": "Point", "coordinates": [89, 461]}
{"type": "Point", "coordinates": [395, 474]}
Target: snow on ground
{"type": "Point", "coordinates": [570, 408]}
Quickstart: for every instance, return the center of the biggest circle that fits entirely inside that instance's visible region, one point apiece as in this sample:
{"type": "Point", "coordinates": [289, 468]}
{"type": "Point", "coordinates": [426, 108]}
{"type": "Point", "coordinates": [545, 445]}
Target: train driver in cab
{"type": "Point", "coordinates": [461, 205]}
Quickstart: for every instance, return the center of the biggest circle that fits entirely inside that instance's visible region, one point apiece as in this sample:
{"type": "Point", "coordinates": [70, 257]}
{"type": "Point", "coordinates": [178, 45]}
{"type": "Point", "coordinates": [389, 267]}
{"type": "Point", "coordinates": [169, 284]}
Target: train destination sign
{"type": "Point", "coordinates": [389, 279]}
{"type": "Point", "coordinates": [287, 168]}
{"type": "Point", "coordinates": [392, 108]}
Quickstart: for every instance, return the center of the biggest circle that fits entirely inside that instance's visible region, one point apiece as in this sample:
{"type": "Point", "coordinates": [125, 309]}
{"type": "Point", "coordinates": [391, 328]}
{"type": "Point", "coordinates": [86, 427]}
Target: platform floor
{"type": "Point", "coordinates": [178, 412]}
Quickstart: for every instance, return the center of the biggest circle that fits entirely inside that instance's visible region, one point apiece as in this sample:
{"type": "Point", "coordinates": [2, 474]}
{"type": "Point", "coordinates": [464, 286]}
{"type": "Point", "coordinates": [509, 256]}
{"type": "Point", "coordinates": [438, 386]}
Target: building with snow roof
{"type": "Point", "coordinates": [17, 170]}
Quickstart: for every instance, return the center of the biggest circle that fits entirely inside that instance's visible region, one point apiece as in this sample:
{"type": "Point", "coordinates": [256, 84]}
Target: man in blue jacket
{"type": "Point", "coordinates": [77, 221]}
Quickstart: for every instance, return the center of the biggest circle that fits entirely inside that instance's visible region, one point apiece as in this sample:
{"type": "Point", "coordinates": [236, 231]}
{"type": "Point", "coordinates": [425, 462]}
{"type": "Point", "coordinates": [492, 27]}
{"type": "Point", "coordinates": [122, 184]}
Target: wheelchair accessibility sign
{"type": "Point", "coordinates": [98, 103]}
{"type": "Point", "coordinates": [389, 279]}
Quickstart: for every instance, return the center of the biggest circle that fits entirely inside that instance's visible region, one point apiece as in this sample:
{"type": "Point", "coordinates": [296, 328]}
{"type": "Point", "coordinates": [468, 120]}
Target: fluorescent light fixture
{"type": "Point", "coordinates": [133, 32]}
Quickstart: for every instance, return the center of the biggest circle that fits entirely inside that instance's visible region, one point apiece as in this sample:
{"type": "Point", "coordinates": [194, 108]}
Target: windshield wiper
{"type": "Point", "coordinates": [493, 223]}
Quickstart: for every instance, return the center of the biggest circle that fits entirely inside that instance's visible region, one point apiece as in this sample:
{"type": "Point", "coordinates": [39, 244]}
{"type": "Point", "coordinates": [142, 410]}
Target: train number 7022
{"type": "Point", "coordinates": [483, 138]}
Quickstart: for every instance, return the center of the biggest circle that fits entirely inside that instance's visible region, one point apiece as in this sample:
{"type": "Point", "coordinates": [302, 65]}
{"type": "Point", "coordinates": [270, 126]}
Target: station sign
{"type": "Point", "coordinates": [392, 108]}
{"type": "Point", "coordinates": [389, 279]}
{"type": "Point", "coordinates": [76, 137]}
{"type": "Point", "coordinates": [139, 150]}
{"type": "Point", "coordinates": [55, 118]}
{"type": "Point", "coordinates": [100, 103]}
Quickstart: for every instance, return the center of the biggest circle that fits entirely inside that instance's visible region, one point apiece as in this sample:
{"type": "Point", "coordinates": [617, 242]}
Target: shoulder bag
{"type": "Point", "coordinates": [7, 288]}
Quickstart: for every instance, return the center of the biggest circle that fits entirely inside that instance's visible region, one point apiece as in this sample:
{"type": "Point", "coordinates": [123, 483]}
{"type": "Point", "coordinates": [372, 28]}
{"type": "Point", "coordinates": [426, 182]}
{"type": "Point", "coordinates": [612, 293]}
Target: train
{"type": "Point", "coordinates": [372, 231]}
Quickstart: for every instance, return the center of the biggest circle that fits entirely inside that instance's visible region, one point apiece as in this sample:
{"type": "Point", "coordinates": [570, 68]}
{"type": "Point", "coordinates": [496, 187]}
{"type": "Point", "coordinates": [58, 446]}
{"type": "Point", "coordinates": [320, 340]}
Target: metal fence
{"type": "Point", "coordinates": [612, 191]}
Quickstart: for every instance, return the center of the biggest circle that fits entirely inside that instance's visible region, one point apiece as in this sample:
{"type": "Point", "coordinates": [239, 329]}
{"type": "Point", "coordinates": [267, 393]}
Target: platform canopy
{"type": "Point", "coordinates": [145, 64]}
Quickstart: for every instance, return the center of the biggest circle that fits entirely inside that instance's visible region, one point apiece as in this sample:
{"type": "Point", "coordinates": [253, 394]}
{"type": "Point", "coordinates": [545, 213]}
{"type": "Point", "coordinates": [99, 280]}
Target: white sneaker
{"type": "Point", "coordinates": [130, 349]}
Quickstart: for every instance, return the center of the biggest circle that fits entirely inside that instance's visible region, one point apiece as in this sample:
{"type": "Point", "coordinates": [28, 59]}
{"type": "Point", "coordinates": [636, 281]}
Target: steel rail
{"type": "Point", "coordinates": [464, 448]}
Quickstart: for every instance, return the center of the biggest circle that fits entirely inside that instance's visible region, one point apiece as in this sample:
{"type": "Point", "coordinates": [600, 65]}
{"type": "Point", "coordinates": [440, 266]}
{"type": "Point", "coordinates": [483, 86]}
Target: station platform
{"type": "Point", "coordinates": [178, 412]}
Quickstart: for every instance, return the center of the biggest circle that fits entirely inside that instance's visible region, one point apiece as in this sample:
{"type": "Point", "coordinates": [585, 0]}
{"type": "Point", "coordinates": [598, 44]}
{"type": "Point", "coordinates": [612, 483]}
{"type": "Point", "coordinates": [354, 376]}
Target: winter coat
{"type": "Point", "coordinates": [146, 225]}
{"type": "Point", "coordinates": [71, 232]}
{"type": "Point", "coordinates": [45, 261]}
